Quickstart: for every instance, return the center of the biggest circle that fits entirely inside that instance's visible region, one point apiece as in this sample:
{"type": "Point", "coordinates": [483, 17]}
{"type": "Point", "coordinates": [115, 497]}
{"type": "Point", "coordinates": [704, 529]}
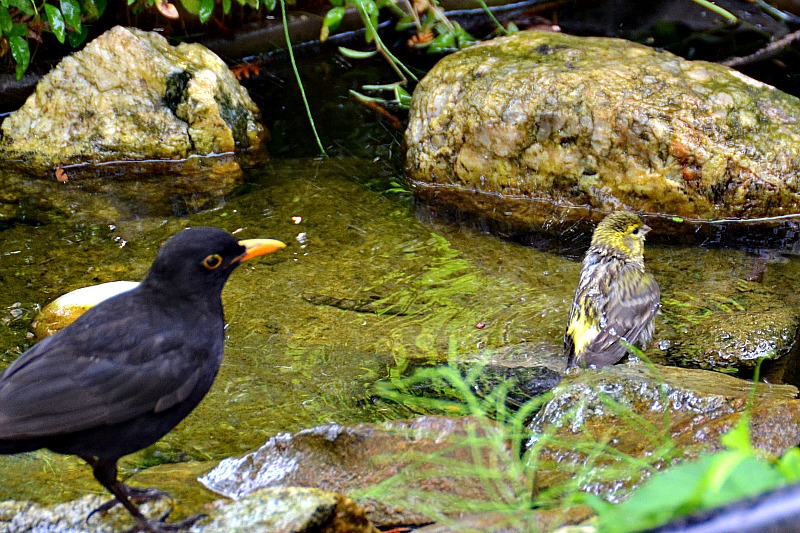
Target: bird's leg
{"type": "Point", "coordinates": [105, 471]}
{"type": "Point", "coordinates": [136, 495]}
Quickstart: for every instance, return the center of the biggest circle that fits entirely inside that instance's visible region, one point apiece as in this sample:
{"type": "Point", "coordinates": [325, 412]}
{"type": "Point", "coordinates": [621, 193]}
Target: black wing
{"type": "Point", "coordinates": [103, 369]}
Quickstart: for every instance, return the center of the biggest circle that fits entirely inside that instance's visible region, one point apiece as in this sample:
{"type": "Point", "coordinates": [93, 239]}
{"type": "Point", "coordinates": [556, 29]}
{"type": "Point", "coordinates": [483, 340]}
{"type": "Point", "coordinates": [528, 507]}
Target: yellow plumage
{"type": "Point", "coordinates": [616, 298]}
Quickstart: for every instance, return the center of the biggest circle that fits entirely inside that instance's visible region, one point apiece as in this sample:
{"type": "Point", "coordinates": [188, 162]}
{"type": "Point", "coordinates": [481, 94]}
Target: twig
{"type": "Point", "coordinates": [770, 50]}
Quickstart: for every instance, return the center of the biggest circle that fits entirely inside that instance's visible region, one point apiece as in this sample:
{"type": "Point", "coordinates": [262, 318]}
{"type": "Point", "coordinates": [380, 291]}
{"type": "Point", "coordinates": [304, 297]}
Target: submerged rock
{"type": "Point", "coordinates": [113, 110]}
{"type": "Point", "coordinates": [63, 311]}
{"type": "Point", "coordinates": [542, 131]}
{"type": "Point", "coordinates": [523, 372]}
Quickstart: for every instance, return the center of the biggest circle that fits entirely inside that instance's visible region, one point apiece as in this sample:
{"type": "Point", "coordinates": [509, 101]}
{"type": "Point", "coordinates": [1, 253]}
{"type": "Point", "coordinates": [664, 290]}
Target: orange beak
{"type": "Point", "coordinates": [256, 247]}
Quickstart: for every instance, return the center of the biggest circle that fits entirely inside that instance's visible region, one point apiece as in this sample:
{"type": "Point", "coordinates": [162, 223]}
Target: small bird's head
{"type": "Point", "coordinates": [200, 259]}
{"type": "Point", "coordinates": [621, 233]}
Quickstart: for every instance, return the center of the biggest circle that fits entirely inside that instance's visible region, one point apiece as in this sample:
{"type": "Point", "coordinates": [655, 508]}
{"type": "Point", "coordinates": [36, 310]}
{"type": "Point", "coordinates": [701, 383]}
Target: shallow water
{"type": "Point", "coordinates": [365, 288]}
{"type": "Point", "coordinates": [362, 288]}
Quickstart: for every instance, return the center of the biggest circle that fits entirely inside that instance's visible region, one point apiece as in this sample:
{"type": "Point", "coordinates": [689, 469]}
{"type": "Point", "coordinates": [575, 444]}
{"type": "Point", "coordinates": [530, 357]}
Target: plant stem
{"type": "Point", "coordinates": [299, 81]}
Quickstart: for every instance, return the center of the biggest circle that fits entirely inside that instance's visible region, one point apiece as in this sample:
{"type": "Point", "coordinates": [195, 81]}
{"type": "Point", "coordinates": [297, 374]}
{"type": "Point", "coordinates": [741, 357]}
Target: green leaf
{"type": "Point", "coordinates": [789, 465]}
{"type": "Point", "coordinates": [364, 98]}
{"type": "Point", "coordinates": [56, 21]}
{"type": "Point", "coordinates": [405, 23]}
{"type": "Point", "coordinates": [356, 54]}
{"type": "Point", "coordinates": [403, 98]}
{"type": "Point", "coordinates": [76, 38]}
{"type": "Point", "coordinates": [26, 6]}
{"type": "Point", "coordinates": [463, 37]}
{"type": "Point", "coordinates": [21, 54]}
{"type": "Point", "coordinates": [94, 9]}
{"type": "Point", "coordinates": [738, 437]}
{"type": "Point", "coordinates": [226, 6]}
{"type": "Point", "coordinates": [384, 87]}
{"type": "Point", "coordinates": [443, 43]}
{"type": "Point", "coordinates": [333, 18]}
{"type": "Point", "coordinates": [5, 20]}
{"type": "Point", "coordinates": [72, 14]}
{"type": "Point", "coordinates": [206, 10]}
{"type": "Point", "coordinates": [270, 4]}
{"type": "Point", "coordinates": [192, 6]}
{"type": "Point", "coordinates": [18, 30]}
{"type": "Point", "coordinates": [709, 482]}
{"type": "Point", "coordinates": [368, 12]}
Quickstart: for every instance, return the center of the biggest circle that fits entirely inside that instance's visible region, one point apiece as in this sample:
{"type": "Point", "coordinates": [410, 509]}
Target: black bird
{"type": "Point", "coordinates": [129, 369]}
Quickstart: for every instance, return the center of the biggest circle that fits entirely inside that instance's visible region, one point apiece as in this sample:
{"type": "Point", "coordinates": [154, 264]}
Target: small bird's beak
{"type": "Point", "coordinates": [256, 247]}
{"type": "Point", "coordinates": [645, 229]}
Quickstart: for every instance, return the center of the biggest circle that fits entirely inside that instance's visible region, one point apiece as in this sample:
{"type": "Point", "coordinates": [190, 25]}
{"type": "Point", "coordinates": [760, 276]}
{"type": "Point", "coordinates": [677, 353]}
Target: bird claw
{"type": "Point", "coordinates": [159, 526]}
{"type": "Point", "coordinates": [136, 495]}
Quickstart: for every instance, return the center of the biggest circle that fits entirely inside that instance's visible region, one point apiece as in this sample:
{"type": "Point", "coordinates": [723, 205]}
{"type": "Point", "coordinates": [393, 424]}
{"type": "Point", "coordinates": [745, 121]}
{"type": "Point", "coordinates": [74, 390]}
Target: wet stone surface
{"type": "Point", "coordinates": [544, 131]}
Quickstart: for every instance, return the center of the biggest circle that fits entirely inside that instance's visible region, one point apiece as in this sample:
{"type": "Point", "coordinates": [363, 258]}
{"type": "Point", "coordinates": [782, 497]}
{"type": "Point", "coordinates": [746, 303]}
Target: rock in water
{"type": "Point", "coordinates": [542, 130]}
{"type": "Point", "coordinates": [129, 95]}
{"type": "Point", "coordinates": [63, 311]}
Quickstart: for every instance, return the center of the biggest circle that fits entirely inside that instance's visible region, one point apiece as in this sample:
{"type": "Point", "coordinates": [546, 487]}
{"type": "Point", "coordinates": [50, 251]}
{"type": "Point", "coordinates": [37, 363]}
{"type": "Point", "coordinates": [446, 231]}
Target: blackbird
{"type": "Point", "coordinates": [129, 369]}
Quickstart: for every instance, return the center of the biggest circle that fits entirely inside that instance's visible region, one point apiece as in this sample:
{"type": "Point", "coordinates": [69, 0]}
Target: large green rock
{"type": "Point", "coordinates": [544, 130]}
{"type": "Point", "coordinates": [130, 95]}
{"type": "Point", "coordinates": [107, 126]}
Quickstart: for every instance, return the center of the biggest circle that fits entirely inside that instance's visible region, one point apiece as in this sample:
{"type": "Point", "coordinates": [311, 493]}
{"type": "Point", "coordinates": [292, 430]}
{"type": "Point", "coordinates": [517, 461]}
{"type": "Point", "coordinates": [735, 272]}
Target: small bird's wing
{"type": "Point", "coordinates": [79, 379]}
{"type": "Point", "coordinates": [628, 312]}
{"type": "Point", "coordinates": [633, 301]}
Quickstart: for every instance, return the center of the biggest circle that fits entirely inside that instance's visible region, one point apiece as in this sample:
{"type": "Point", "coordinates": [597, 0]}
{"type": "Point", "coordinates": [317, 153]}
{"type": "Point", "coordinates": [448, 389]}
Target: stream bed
{"type": "Point", "coordinates": [369, 285]}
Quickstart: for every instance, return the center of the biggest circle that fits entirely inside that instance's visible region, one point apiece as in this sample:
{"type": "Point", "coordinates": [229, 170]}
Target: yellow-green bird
{"type": "Point", "coordinates": [616, 298]}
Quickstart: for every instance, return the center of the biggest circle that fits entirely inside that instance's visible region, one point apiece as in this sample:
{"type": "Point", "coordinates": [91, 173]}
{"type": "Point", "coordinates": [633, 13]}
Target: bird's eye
{"type": "Point", "coordinates": [212, 261]}
{"type": "Point", "coordinates": [635, 231]}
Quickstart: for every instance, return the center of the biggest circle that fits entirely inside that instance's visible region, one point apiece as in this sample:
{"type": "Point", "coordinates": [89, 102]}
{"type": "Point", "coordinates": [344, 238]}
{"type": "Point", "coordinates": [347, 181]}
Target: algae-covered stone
{"type": "Point", "coordinates": [275, 510]}
{"type": "Point", "coordinates": [130, 95]}
{"type": "Point", "coordinates": [280, 509]}
{"type": "Point", "coordinates": [113, 130]}
{"type": "Point", "coordinates": [71, 516]}
{"type": "Point", "coordinates": [542, 130]}
{"type": "Point", "coordinates": [652, 415]}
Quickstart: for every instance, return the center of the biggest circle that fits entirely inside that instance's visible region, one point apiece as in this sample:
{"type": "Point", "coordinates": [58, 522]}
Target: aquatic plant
{"type": "Point", "coordinates": [501, 434]}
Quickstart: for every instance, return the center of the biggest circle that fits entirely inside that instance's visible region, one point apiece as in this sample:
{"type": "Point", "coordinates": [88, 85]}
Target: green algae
{"type": "Point", "coordinates": [363, 291]}
{"type": "Point", "coordinates": [291, 362]}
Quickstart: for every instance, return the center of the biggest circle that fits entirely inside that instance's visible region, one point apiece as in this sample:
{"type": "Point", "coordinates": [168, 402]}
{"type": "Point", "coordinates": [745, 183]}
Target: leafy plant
{"type": "Point", "coordinates": [21, 20]}
{"type": "Point", "coordinates": [726, 476]}
{"type": "Point", "coordinates": [24, 21]}
{"type": "Point", "coordinates": [433, 32]}
{"type": "Point", "coordinates": [716, 479]}
{"type": "Point", "coordinates": [204, 9]}
{"type": "Point", "coordinates": [493, 442]}
{"type": "Point", "coordinates": [737, 472]}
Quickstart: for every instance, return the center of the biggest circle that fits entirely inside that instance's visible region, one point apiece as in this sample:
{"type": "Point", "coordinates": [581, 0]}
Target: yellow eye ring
{"type": "Point", "coordinates": [212, 262]}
